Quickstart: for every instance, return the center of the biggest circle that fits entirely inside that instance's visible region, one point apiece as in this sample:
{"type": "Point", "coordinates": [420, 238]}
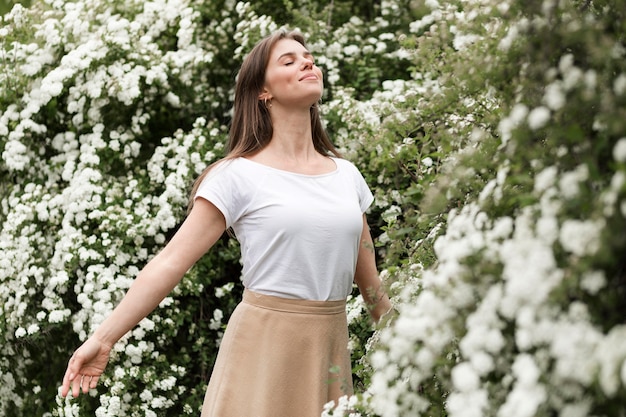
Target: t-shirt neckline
{"type": "Point", "coordinates": [297, 174]}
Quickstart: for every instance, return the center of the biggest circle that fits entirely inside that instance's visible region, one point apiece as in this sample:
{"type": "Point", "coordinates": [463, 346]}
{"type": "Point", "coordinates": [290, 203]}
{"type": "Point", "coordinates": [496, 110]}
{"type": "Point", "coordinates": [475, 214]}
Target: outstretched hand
{"type": "Point", "coordinates": [85, 367]}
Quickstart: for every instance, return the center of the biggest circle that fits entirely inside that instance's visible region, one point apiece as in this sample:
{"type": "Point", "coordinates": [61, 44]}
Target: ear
{"type": "Point", "coordinates": [265, 94]}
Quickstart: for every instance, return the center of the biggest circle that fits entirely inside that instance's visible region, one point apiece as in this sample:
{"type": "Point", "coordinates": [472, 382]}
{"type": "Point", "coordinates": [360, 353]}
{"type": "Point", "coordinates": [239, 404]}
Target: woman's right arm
{"type": "Point", "coordinates": [201, 229]}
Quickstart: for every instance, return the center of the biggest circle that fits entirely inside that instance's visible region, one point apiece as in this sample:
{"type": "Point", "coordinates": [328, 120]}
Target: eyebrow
{"type": "Point", "coordinates": [293, 54]}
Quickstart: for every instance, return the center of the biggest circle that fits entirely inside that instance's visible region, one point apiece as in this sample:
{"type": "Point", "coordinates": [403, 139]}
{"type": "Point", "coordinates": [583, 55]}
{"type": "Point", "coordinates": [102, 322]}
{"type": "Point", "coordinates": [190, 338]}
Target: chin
{"type": "Point", "coordinates": [315, 99]}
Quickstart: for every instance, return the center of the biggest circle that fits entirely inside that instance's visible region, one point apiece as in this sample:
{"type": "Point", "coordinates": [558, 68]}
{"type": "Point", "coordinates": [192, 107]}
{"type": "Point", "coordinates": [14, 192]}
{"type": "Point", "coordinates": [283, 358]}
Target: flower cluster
{"type": "Point", "coordinates": [492, 135]}
{"type": "Point", "coordinates": [110, 111]}
{"type": "Point", "coordinates": [98, 174]}
{"type": "Point", "coordinates": [517, 314]}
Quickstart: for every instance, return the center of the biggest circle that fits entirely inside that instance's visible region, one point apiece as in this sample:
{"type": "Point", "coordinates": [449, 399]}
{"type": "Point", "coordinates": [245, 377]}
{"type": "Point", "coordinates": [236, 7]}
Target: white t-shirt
{"type": "Point", "coordinates": [299, 234]}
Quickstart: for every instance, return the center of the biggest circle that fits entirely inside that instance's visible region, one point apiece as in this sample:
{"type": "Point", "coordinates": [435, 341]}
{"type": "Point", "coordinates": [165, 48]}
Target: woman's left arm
{"type": "Point", "coordinates": [367, 279]}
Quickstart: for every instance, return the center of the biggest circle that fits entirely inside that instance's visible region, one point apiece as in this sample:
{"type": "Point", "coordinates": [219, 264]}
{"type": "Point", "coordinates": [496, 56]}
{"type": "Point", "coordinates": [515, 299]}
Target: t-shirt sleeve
{"type": "Point", "coordinates": [363, 191]}
{"type": "Point", "coordinates": [220, 188]}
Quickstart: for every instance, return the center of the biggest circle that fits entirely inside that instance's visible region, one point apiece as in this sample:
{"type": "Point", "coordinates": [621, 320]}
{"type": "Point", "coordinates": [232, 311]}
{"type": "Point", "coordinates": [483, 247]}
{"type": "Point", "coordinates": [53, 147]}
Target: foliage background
{"type": "Point", "coordinates": [492, 133]}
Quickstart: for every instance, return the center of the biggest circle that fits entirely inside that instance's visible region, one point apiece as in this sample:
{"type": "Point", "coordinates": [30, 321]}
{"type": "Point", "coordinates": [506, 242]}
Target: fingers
{"type": "Point", "coordinates": [85, 368]}
{"type": "Point", "coordinates": [94, 382]}
{"type": "Point", "coordinates": [75, 382]}
{"type": "Point", "coordinates": [65, 388]}
{"type": "Point", "coordinates": [68, 378]}
{"type": "Point", "coordinates": [85, 383]}
{"type": "Point", "coordinates": [74, 385]}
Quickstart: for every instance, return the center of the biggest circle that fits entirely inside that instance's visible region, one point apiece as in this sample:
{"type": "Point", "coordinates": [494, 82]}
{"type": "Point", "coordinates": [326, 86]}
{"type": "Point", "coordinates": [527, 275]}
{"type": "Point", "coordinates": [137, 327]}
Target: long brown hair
{"type": "Point", "coordinates": [251, 127]}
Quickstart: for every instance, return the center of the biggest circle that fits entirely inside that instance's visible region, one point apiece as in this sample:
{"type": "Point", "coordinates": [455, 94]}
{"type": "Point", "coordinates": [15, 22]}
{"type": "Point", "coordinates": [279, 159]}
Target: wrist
{"type": "Point", "coordinates": [104, 338]}
{"type": "Point", "coordinates": [381, 308]}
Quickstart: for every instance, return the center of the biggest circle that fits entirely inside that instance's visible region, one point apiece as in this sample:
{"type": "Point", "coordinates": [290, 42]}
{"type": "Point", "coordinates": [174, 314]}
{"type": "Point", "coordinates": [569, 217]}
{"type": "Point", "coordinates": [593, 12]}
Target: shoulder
{"type": "Point", "coordinates": [347, 166]}
{"type": "Point", "coordinates": [343, 163]}
{"type": "Point", "coordinates": [227, 175]}
{"type": "Point", "coordinates": [227, 167]}
{"type": "Point", "coordinates": [229, 179]}
{"type": "Point", "coordinates": [351, 172]}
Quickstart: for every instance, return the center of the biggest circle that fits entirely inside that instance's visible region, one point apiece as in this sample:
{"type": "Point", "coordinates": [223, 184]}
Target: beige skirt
{"type": "Point", "coordinates": [280, 358]}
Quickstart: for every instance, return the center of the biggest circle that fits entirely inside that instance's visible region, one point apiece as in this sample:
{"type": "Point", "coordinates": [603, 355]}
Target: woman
{"type": "Point", "coordinates": [297, 212]}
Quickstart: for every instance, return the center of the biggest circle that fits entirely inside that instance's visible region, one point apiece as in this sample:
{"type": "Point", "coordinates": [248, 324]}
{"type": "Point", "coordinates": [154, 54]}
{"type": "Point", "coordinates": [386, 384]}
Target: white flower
{"type": "Point", "coordinates": [461, 41]}
{"type": "Point", "coordinates": [509, 123]}
{"type": "Point", "coordinates": [167, 384]}
{"type": "Point", "coordinates": [467, 404]}
{"type": "Point", "coordinates": [514, 32]}
{"type": "Point", "coordinates": [216, 321]}
{"type": "Point", "coordinates": [527, 394]}
{"type": "Point", "coordinates": [611, 355]}
{"type": "Point", "coordinates": [355, 308]}
{"type": "Point", "coordinates": [134, 354]}
{"type": "Point", "coordinates": [538, 117]}
{"type": "Point", "coordinates": [507, 41]}
{"type": "Point", "coordinates": [391, 214]}
{"type": "Point", "coordinates": [147, 324]}
{"type": "Point", "coordinates": [619, 85]}
{"type": "Point", "coordinates": [573, 341]}
{"type": "Point", "coordinates": [500, 229]}
{"type": "Point", "coordinates": [518, 113]}
{"type": "Point", "coordinates": [572, 77]}
{"type": "Point", "coordinates": [591, 79]}
{"type": "Point", "coordinates": [566, 62]}
{"type": "Point", "coordinates": [581, 237]}
{"type": "Point", "coordinates": [487, 190]}
{"type": "Point", "coordinates": [58, 316]}
{"type": "Point", "coordinates": [33, 328]}
{"type": "Point", "coordinates": [351, 50]}
{"type": "Point", "coordinates": [52, 88]}
{"type": "Point", "coordinates": [503, 7]}
{"type": "Point", "coordinates": [418, 25]}
{"type": "Point", "coordinates": [15, 155]}
{"type": "Point", "coordinates": [578, 409]}
{"type": "Point", "coordinates": [554, 97]}
{"type": "Point", "coordinates": [619, 150]}
{"type": "Point", "coordinates": [482, 362]}
{"type": "Point", "coordinates": [545, 179]}
{"type": "Point", "coordinates": [465, 378]}
{"type": "Point", "coordinates": [569, 181]}
{"type": "Point", "coordinates": [548, 229]}
{"type": "Point", "coordinates": [119, 372]}
{"type": "Point", "coordinates": [172, 99]}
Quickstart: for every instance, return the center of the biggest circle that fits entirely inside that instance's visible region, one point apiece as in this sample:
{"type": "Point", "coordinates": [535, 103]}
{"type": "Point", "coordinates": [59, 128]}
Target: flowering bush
{"type": "Point", "coordinates": [492, 134]}
{"type": "Point", "coordinates": [504, 195]}
{"type": "Point", "coordinates": [109, 110]}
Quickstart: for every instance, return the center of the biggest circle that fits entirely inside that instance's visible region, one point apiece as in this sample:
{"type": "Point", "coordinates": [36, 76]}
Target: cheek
{"type": "Point", "coordinates": [278, 78]}
{"type": "Point", "coordinates": [271, 82]}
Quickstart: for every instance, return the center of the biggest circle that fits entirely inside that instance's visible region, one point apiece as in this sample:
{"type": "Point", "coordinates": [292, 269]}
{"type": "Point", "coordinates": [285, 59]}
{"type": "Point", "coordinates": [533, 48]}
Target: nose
{"type": "Point", "coordinates": [307, 63]}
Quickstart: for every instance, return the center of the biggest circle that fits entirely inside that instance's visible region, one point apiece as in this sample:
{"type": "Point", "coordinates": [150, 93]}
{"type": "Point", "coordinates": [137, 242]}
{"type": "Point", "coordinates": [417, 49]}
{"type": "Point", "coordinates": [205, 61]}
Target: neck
{"type": "Point", "coordinates": [292, 136]}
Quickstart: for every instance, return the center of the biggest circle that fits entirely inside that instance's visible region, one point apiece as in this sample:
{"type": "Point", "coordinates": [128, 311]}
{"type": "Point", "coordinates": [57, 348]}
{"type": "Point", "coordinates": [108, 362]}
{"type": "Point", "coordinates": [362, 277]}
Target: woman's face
{"type": "Point", "coordinates": [291, 78]}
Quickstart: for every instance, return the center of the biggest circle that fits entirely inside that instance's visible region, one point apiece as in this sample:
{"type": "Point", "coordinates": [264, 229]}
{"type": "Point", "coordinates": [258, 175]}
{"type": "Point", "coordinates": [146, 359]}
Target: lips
{"type": "Point", "coordinates": [309, 76]}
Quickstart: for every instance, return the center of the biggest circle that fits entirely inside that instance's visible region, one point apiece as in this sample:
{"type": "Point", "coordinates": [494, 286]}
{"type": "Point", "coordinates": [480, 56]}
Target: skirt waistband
{"type": "Point", "coordinates": [293, 305]}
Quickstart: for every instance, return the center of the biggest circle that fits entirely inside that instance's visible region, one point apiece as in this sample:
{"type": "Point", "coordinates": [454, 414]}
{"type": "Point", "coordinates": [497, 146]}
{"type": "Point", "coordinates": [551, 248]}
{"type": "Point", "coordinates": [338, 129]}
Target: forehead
{"type": "Point", "coordinates": [287, 47]}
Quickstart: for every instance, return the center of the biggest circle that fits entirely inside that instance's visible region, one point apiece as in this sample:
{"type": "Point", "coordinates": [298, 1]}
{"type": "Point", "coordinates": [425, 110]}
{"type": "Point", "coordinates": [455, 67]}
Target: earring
{"type": "Point", "coordinates": [265, 102]}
